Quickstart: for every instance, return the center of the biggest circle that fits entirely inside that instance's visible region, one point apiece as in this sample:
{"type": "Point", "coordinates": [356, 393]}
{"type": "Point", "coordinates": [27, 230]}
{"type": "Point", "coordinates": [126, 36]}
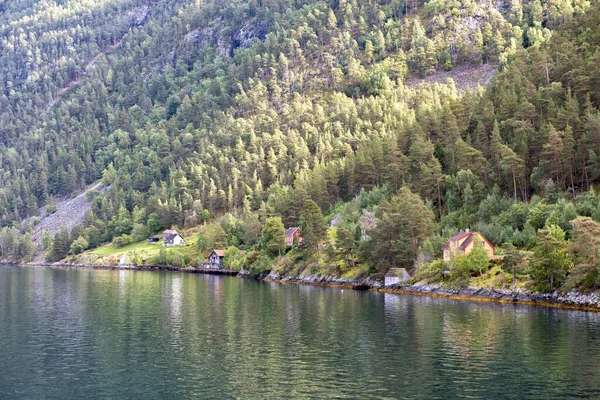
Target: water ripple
{"type": "Point", "coordinates": [124, 334]}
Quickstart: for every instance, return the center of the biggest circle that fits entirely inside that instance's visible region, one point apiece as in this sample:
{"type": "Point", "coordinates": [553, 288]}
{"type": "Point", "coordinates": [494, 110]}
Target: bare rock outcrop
{"type": "Point", "coordinates": [70, 212]}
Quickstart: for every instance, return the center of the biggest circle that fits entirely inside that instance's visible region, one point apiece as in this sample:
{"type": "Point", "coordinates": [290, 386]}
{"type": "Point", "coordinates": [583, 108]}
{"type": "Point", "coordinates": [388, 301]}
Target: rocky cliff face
{"type": "Point", "coordinates": [226, 40]}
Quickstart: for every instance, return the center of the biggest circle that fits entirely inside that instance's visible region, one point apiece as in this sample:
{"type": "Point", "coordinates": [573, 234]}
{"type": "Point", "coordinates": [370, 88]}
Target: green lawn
{"type": "Point", "coordinates": [110, 250]}
{"type": "Point", "coordinates": [109, 254]}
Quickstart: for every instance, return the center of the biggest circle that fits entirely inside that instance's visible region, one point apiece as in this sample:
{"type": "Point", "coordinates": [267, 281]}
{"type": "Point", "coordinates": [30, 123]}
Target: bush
{"type": "Point", "coordinates": [432, 273]}
{"type": "Point", "coordinates": [51, 209]}
{"type": "Point", "coordinates": [79, 246]}
{"type": "Point", "coordinates": [259, 263]}
{"type": "Point", "coordinates": [164, 257]}
{"type": "Point", "coordinates": [121, 241]}
{"type": "Point", "coordinates": [465, 266]}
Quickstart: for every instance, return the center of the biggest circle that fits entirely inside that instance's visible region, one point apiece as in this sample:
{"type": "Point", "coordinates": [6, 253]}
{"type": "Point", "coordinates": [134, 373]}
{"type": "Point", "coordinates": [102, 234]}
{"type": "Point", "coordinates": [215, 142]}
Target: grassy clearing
{"type": "Point", "coordinates": [141, 252]}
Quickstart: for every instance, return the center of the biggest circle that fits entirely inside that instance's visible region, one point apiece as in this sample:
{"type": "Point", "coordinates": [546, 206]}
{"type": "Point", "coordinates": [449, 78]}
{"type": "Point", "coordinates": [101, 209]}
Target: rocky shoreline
{"type": "Point", "coordinates": [570, 300]}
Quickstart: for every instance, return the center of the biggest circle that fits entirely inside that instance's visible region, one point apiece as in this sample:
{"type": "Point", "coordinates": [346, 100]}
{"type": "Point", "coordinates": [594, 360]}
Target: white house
{"type": "Point", "coordinates": [174, 239]}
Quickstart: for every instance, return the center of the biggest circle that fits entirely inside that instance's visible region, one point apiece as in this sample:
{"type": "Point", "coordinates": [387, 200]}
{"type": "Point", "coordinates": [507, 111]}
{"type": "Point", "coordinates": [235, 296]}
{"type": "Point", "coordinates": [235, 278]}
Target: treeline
{"type": "Point", "coordinates": [266, 109]}
{"type": "Point", "coordinates": [192, 88]}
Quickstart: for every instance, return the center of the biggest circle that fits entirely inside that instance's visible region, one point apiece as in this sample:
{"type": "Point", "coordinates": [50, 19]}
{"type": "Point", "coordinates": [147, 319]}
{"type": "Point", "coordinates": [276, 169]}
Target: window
{"type": "Point", "coordinates": [483, 243]}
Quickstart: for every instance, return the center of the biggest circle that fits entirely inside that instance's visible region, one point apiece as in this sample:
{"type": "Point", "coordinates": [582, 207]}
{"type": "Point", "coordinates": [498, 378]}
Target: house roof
{"type": "Point", "coordinates": [169, 231]}
{"type": "Point", "coordinates": [397, 272]}
{"type": "Point", "coordinates": [172, 236]}
{"type": "Point", "coordinates": [219, 252]}
{"type": "Point", "coordinates": [469, 239]}
{"type": "Point", "coordinates": [290, 231]}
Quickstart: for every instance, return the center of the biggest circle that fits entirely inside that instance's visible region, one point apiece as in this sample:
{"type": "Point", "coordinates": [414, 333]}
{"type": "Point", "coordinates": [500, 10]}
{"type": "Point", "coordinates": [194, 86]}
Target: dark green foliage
{"type": "Point", "coordinates": [312, 224]}
{"type": "Point", "coordinates": [514, 260]}
{"type": "Point", "coordinates": [310, 111]}
{"type": "Point", "coordinates": [272, 236]}
{"type": "Point", "coordinates": [551, 259]}
{"type": "Point", "coordinates": [61, 244]}
{"type": "Point", "coordinates": [403, 224]}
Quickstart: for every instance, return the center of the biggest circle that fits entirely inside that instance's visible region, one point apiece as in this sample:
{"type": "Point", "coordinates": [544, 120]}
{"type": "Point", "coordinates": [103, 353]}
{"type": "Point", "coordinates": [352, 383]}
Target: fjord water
{"type": "Point", "coordinates": [123, 334]}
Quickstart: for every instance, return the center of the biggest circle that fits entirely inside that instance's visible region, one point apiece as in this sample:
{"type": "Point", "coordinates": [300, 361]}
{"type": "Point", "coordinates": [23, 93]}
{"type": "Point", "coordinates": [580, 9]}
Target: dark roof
{"type": "Point", "coordinates": [171, 236]}
{"type": "Point", "coordinates": [290, 231]}
{"type": "Point", "coordinates": [220, 253]}
{"type": "Point", "coordinates": [467, 242]}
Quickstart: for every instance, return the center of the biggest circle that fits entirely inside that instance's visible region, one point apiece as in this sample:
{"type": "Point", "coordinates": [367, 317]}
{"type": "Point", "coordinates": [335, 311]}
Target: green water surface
{"type": "Point", "coordinates": [82, 334]}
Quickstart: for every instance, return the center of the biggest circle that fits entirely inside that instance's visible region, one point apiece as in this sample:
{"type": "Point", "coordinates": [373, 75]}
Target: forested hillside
{"type": "Point", "coordinates": [191, 111]}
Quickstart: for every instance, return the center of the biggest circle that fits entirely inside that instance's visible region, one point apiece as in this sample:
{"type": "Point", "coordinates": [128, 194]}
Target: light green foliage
{"type": "Point", "coordinates": [258, 263]}
{"type": "Point", "coordinates": [210, 237]}
{"type": "Point", "coordinates": [46, 240]}
{"type": "Point", "coordinates": [79, 245]}
{"type": "Point", "coordinates": [312, 108]}
{"type": "Point", "coordinates": [121, 241]}
{"type": "Point", "coordinates": [234, 259]}
{"type": "Point", "coordinates": [122, 223]}
{"type": "Point", "coordinates": [432, 272]}
{"type": "Point", "coordinates": [476, 262]}
{"type": "Point", "coordinates": [347, 242]}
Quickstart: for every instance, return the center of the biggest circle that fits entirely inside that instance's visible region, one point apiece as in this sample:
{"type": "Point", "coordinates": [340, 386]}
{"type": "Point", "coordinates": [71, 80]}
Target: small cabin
{"type": "Point", "coordinates": [169, 232]}
{"type": "Point", "coordinates": [215, 259]}
{"type": "Point", "coordinates": [174, 239]}
{"type": "Point", "coordinates": [395, 276]}
{"type": "Point", "coordinates": [464, 242]}
{"type": "Point", "coordinates": [153, 239]}
{"type": "Point", "coordinates": [293, 234]}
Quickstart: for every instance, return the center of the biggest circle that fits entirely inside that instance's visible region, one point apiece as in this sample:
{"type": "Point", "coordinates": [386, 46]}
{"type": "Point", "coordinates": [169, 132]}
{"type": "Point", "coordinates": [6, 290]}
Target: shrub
{"type": "Point", "coordinates": [121, 241]}
{"type": "Point", "coordinates": [79, 246]}
{"type": "Point", "coordinates": [432, 273]}
{"type": "Point", "coordinates": [51, 209]}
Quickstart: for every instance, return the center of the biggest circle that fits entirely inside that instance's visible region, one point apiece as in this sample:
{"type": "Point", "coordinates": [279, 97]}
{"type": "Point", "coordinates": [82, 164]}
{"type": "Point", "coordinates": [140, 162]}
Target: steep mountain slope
{"type": "Point", "coordinates": [257, 106]}
{"type": "Point", "coordinates": [70, 213]}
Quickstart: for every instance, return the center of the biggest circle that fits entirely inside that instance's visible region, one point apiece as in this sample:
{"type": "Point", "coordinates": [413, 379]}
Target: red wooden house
{"type": "Point", "coordinates": [292, 234]}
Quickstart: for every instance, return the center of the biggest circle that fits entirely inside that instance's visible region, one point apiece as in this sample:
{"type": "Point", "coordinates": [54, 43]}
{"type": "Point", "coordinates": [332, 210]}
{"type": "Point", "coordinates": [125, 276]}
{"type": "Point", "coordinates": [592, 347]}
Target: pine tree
{"type": "Point", "coordinates": [313, 226]}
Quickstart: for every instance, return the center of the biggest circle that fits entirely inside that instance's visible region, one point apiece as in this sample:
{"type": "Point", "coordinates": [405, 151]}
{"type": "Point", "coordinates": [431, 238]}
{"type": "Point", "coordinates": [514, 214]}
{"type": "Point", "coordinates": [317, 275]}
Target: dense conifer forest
{"type": "Point", "coordinates": [237, 121]}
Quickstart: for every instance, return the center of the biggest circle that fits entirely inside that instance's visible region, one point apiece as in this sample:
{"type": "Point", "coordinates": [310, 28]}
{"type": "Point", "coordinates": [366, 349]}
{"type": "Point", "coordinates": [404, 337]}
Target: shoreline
{"type": "Point", "coordinates": [570, 301]}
